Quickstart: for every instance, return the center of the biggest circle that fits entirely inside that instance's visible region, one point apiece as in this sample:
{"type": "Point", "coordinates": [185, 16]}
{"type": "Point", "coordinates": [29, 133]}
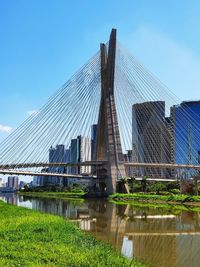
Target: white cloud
{"type": "Point", "coordinates": [5, 128]}
{"type": "Point", "coordinates": [32, 112]}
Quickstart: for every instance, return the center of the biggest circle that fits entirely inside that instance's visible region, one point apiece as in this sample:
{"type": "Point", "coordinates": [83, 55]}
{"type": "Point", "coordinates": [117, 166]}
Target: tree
{"type": "Point", "coordinates": [144, 184]}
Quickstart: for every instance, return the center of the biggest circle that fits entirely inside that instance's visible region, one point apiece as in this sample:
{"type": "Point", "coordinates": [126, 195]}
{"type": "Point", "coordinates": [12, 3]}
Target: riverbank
{"type": "Point", "coordinates": [63, 195]}
{"type": "Point", "coordinates": [31, 238]}
{"type": "Point", "coordinates": [179, 202]}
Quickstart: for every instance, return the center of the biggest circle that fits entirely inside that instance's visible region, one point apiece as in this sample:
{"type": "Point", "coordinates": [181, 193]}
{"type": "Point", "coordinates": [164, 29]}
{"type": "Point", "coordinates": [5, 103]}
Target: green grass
{"type": "Point", "coordinates": [30, 238]}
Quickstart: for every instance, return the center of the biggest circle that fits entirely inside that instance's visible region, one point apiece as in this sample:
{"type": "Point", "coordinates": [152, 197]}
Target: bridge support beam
{"type": "Point", "coordinates": [108, 137]}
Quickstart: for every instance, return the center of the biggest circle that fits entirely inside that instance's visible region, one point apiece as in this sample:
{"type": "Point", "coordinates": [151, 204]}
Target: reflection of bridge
{"type": "Point", "coordinates": [102, 92]}
{"type": "Point", "coordinates": [157, 239]}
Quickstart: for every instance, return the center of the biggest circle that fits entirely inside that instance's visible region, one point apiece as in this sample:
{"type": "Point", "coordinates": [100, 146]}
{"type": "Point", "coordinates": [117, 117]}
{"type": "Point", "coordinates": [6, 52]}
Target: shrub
{"type": "Point", "coordinates": [175, 191]}
{"type": "Point", "coordinates": [135, 186]}
{"type": "Point", "coordinates": [157, 187]}
{"type": "Point", "coordinates": [173, 185]}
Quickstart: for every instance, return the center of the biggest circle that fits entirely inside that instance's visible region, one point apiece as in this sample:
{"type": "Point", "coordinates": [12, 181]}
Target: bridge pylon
{"type": "Point", "coordinates": [109, 147]}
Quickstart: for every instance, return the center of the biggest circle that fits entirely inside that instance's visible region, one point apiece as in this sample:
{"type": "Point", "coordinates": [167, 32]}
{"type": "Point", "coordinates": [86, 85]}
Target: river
{"type": "Point", "coordinates": [154, 236]}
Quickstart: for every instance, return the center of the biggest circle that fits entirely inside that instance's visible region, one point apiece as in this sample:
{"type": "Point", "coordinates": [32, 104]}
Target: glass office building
{"type": "Point", "coordinates": [186, 132]}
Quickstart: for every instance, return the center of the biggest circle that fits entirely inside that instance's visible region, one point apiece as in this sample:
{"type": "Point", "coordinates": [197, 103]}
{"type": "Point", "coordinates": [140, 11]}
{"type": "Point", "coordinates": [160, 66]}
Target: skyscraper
{"type": "Point", "coordinates": [57, 155]}
{"type": "Point", "coordinates": [186, 125]}
{"type": "Point", "coordinates": [13, 182]}
{"type": "Point", "coordinates": [75, 155]}
{"type": "Point", "coordinates": [80, 151]}
{"type": "Point", "coordinates": [93, 141]}
{"type": "Point", "coordinates": [85, 153]}
{"type": "Point", "coordinates": [151, 137]}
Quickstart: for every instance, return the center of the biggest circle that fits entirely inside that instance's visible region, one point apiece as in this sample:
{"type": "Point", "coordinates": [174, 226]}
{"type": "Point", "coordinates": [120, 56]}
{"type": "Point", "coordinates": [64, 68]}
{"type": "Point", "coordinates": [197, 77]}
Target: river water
{"type": "Point", "coordinates": [154, 236]}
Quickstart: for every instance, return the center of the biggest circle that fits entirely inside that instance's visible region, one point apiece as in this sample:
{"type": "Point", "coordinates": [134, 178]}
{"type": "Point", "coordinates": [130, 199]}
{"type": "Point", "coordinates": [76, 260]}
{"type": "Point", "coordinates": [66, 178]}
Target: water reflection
{"type": "Point", "coordinates": [156, 237]}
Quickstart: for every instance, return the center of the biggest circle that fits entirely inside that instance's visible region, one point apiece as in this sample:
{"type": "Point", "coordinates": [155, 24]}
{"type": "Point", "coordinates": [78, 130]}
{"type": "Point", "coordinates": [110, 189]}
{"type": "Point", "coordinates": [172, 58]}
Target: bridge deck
{"type": "Point", "coordinates": [31, 173]}
{"type": "Point", "coordinates": [99, 163]}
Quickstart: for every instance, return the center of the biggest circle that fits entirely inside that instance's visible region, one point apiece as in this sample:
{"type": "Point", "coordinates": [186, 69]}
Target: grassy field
{"type": "Point", "coordinates": [30, 238]}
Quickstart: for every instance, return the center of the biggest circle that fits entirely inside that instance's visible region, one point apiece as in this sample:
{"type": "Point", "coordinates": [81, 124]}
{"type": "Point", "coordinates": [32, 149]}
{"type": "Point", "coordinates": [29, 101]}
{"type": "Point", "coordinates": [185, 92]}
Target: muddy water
{"type": "Point", "coordinates": [154, 236]}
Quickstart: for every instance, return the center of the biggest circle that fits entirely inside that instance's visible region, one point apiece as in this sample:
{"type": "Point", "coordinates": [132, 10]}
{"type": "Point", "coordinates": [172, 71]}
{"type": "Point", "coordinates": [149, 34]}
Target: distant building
{"type": "Point", "coordinates": [35, 181]}
{"type": "Point", "coordinates": [1, 182]}
{"type": "Point", "coordinates": [93, 142]}
{"type": "Point", "coordinates": [13, 182]}
{"type": "Point", "coordinates": [67, 160]}
{"type": "Point", "coordinates": [80, 151]}
{"type": "Point", "coordinates": [21, 184]}
{"type": "Point", "coordinates": [43, 180]}
{"type": "Point", "coordinates": [151, 137]}
{"type": "Point", "coordinates": [85, 153]}
{"type": "Point", "coordinates": [57, 155]}
{"type": "Point", "coordinates": [75, 155]}
{"type": "Point", "coordinates": [186, 124]}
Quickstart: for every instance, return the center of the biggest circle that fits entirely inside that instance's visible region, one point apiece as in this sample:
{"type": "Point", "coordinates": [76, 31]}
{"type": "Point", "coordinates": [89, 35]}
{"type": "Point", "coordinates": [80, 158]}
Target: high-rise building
{"type": "Point", "coordinates": [35, 181]}
{"type": "Point", "coordinates": [75, 155]}
{"type": "Point", "coordinates": [80, 151]}
{"type": "Point", "coordinates": [151, 137]}
{"type": "Point", "coordinates": [57, 155]}
{"type": "Point", "coordinates": [186, 125]}
{"type": "Point", "coordinates": [43, 180]}
{"type": "Point", "coordinates": [21, 184]}
{"type": "Point", "coordinates": [13, 182]}
{"type": "Point", "coordinates": [128, 157]}
{"type": "Point", "coordinates": [85, 153]}
{"type": "Point", "coordinates": [67, 160]}
{"type": "Point", "coordinates": [0, 182]}
{"type": "Point", "coordinates": [93, 141]}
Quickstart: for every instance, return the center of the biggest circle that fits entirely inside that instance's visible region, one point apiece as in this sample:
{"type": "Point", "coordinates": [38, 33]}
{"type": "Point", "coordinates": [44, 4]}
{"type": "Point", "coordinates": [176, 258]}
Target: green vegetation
{"type": "Point", "coordinates": [52, 191]}
{"type": "Point", "coordinates": [175, 209]}
{"type": "Point", "coordinates": [173, 203]}
{"type": "Point", "coordinates": [30, 238]}
{"type": "Point", "coordinates": [162, 208]}
{"type": "Point", "coordinates": [55, 188]}
{"type": "Point", "coordinates": [151, 197]}
{"type": "Point", "coordinates": [146, 186]}
{"type": "Point", "coordinates": [63, 195]}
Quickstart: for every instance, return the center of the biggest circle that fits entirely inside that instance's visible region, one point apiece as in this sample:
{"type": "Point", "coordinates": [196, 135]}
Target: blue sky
{"type": "Point", "coordinates": [42, 43]}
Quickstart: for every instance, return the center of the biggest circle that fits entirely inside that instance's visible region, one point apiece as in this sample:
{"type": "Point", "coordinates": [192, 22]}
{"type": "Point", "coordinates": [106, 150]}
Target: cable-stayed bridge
{"type": "Point", "coordinates": [139, 127]}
